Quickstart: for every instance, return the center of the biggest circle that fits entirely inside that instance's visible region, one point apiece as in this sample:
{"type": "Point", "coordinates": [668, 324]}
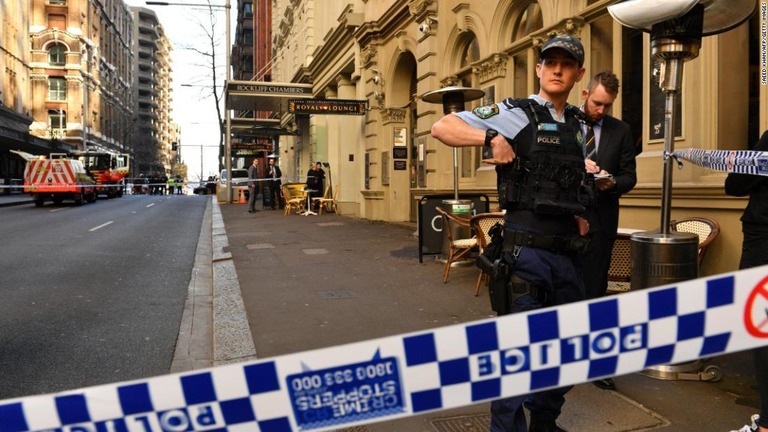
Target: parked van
{"type": "Point", "coordinates": [239, 184]}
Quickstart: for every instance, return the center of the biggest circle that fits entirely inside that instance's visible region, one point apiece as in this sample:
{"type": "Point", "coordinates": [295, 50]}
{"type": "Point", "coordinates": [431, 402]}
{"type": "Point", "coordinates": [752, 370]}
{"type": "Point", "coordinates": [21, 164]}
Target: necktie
{"type": "Point", "coordinates": [589, 143]}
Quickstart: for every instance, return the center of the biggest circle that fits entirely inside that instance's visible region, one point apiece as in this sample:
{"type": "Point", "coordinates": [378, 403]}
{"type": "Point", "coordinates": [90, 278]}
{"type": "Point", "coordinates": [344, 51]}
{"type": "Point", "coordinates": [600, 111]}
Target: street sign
{"type": "Point", "coordinates": [327, 106]}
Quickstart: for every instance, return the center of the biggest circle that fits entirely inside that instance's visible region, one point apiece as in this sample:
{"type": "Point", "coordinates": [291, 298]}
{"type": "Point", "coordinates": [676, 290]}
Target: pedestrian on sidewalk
{"type": "Point", "coordinates": [253, 185]}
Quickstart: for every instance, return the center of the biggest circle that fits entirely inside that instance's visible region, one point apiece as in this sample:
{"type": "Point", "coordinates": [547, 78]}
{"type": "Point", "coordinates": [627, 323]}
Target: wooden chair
{"type": "Point", "coordinates": [707, 229]}
{"type": "Point", "coordinates": [481, 224]}
{"type": "Point", "coordinates": [458, 248]}
{"type": "Point", "coordinates": [327, 201]}
{"type": "Point", "coordinates": [292, 202]}
{"type": "Point", "coordinates": [620, 270]}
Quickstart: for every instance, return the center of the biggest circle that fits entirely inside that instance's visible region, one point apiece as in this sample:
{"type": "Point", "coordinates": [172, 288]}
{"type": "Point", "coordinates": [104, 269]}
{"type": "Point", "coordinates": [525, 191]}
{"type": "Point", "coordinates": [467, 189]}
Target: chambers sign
{"type": "Point", "coordinates": [327, 106]}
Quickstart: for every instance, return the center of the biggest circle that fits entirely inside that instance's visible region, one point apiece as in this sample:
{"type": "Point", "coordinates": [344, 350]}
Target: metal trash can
{"type": "Point", "coordinates": [459, 208]}
{"type": "Point", "coordinates": [661, 259]}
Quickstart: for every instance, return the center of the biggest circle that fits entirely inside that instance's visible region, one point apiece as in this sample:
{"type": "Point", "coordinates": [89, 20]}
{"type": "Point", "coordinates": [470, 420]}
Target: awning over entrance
{"type": "Point", "coordinates": [264, 96]}
{"type": "Point", "coordinates": [250, 127]}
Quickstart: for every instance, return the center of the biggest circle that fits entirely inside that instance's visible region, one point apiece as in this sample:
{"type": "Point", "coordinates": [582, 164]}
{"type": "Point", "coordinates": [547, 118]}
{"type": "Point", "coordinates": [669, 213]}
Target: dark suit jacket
{"type": "Point", "coordinates": [615, 154]}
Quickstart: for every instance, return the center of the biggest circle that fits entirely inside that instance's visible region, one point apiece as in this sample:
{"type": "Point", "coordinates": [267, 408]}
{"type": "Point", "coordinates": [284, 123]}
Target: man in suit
{"type": "Point", "coordinates": [610, 155]}
{"type": "Point", "coordinates": [275, 174]}
{"type": "Point", "coordinates": [253, 186]}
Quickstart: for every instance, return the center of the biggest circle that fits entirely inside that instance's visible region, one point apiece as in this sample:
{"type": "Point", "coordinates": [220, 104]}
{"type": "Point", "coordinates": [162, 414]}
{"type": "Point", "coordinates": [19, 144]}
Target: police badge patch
{"type": "Point", "coordinates": [486, 111]}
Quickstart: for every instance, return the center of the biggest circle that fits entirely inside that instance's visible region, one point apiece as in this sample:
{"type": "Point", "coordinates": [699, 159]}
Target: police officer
{"type": "Point", "coordinates": [543, 186]}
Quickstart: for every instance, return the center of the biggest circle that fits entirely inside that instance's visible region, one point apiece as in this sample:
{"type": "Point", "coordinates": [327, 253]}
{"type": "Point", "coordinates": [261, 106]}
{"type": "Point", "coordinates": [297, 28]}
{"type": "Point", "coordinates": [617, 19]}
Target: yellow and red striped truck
{"type": "Point", "coordinates": [57, 180]}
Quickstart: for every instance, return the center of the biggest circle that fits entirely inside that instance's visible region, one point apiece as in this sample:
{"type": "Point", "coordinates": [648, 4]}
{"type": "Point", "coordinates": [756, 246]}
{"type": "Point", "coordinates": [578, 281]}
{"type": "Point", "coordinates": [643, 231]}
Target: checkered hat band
{"type": "Point", "coordinates": [447, 367]}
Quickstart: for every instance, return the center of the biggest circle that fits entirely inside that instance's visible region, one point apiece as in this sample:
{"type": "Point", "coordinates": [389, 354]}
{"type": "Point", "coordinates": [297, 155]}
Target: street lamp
{"type": "Point", "coordinates": [227, 120]}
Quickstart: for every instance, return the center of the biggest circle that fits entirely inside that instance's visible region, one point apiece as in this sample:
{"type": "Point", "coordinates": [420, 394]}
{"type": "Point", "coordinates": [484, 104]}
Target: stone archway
{"type": "Point", "coordinates": [399, 121]}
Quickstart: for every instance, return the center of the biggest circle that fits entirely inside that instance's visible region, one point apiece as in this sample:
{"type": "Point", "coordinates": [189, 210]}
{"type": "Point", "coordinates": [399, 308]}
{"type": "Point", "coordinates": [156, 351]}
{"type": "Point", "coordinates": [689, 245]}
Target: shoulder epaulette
{"type": "Point", "coordinates": [518, 102]}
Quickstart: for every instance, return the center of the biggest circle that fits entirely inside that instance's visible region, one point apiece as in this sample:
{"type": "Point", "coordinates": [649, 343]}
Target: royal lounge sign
{"type": "Point", "coordinates": [327, 106]}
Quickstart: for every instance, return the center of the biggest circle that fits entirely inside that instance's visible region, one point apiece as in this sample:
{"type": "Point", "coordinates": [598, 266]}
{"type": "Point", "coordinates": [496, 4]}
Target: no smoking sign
{"type": "Point", "coordinates": [756, 310]}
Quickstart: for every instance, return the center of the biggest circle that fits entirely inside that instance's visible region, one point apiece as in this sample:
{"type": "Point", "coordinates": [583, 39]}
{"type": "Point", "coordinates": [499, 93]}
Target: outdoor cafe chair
{"type": "Point", "coordinates": [707, 229]}
{"type": "Point", "coordinates": [481, 224]}
{"type": "Point", "coordinates": [327, 201]}
{"type": "Point", "coordinates": [458, 248]}
{"type": "Point", "coordinates": [294, 202]}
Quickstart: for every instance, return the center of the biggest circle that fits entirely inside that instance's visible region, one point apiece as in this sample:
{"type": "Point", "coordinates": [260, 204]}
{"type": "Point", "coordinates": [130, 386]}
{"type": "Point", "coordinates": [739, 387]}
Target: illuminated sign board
{"type": "Point", "coordinates": [327, 106]}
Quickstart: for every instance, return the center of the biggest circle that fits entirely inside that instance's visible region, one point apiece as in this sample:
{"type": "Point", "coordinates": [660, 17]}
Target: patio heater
{"type": "Point", "coordinates": [676, 28]}
{"type": "Point", "coordinates": [453, 99]}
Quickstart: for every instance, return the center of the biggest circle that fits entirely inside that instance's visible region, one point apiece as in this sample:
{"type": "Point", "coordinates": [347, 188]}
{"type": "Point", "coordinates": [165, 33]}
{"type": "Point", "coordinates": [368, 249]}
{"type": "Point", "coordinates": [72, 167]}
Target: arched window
{"type": "Point", "coordinates": [528, 22]}
{"type": "Point", "coordinates": [57, 55]}
{"type": "Point", "coordinates": [469, 157]}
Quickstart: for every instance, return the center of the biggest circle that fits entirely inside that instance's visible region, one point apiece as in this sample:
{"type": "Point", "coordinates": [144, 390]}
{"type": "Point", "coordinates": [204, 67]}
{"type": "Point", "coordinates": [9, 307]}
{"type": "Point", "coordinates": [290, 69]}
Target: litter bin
{"type": "Point", "coordinates": [462, 209]}
{"type": "Point", "coordinates": [661, 259]}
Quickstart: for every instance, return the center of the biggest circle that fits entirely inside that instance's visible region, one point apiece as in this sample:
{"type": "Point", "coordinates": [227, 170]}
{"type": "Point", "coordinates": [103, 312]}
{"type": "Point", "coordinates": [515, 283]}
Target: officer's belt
{"type": "Point", "coordinates": [557, 244]}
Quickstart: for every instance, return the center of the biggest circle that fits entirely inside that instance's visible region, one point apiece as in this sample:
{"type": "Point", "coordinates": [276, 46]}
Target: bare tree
{"type": "Point", "coordinates": [207, 52]}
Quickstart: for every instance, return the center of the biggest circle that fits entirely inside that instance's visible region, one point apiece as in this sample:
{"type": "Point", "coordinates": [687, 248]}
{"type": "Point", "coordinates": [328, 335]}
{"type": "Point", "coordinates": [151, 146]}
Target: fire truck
{"type": "Point", "coordinates": [57, 180]}
{"type": "Point", "coordinates": [108, 169]}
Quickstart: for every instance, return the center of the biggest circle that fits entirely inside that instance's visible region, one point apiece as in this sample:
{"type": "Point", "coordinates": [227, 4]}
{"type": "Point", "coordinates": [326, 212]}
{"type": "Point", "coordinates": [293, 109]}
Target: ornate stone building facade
{"type": "Point", "coordinates": [390, 53]}
{"type": "Point", "coordinates": [81, 72]}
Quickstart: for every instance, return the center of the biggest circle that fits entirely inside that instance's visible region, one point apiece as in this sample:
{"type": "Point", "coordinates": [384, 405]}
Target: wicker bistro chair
{"type": "Point", "coordinates": [327, 201]}
{"type": "Point", "coordinates": [481, 224]}
{"type": "Point", "coordinates": [292, 202]}
{"type": "Point", "coordinates": [620, 270]}
{"type": "Point", "coordinates": [458, 248]}
{"type": "Point", "coordinates": [707, 229]}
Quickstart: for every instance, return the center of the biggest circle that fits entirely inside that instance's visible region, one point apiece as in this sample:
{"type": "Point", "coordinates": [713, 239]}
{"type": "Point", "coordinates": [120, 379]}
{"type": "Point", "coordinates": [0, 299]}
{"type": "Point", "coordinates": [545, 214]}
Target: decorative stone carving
{"type": "Point", "coordinates": [418, 7]}
{"type": "Point", "coordinates": [495, 67]}
{"type": "Point", "coordinates": [393, 115]}
{"type": "Point", "coordinates": [571, 26]}
{"type": "Point", "coordinates": [452, 80]}
{"type": "Point", "coordinates": [368, 54]}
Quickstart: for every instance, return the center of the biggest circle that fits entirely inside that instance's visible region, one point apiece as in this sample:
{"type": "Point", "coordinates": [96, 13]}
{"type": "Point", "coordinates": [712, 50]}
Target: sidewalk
{"type": "Point", "coordinates": [318, 281]}
{"type": "Point", "coordinates": [14, 199]}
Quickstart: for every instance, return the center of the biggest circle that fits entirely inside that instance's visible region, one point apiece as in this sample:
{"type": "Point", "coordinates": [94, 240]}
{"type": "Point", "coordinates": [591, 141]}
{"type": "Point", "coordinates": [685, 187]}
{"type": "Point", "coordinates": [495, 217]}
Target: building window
{"type": "Point", "coordinates": [57, 55]}
{"type": "Point", "coordinates": [57, 89]}
{"type": "Point", "coordinates": [469, 157]}
{"type": "Point", "coordinates": [57, 2]}
{"type": "Point", "coordinates": [530, 21]}
{"type": "Point", "coordinates": [248, 10]}
{"type": "Point", "coordinates": [57, 123]}
{"type": "Point", "coordinates": [248, 38]}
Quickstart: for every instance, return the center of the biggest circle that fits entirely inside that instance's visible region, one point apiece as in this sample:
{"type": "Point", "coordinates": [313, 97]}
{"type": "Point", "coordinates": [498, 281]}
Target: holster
{"type": "Point", "coordinates": [498, 261]}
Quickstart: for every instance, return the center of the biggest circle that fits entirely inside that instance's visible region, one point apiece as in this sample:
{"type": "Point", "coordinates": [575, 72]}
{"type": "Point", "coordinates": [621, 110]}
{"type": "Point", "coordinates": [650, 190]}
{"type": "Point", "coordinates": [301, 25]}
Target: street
{"type": "Point", "coordinates": [93, 294]}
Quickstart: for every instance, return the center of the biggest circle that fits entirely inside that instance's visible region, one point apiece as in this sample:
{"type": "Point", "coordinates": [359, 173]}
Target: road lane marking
{"type": "Point", "coordinates": [100, 226]}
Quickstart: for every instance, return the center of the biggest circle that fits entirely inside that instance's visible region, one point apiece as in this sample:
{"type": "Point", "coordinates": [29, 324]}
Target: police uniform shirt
{"type": "Point", "coordinates": [506, 121]}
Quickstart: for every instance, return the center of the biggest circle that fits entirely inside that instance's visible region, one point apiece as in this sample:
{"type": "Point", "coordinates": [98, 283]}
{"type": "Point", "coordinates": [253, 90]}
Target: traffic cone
{"type": "Point", "coordinates": [241, 200]}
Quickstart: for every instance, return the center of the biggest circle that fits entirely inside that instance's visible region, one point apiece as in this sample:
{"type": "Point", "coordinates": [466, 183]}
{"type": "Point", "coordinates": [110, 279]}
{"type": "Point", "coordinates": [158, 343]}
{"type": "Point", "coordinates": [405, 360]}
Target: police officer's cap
{"type": "Point", "coordinates": [571, 44]}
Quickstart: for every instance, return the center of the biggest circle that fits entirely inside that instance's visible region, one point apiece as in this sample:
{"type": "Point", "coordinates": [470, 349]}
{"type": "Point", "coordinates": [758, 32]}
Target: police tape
{"type": "Point", "coordinates": [425, 371]}
{"type": "Point", "coordinates": [736, 161]}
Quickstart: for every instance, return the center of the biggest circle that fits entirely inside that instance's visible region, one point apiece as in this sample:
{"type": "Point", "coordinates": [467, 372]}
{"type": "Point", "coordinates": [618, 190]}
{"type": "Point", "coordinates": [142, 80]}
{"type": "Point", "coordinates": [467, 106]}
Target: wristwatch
{"type": "Point", "coordinates": [489, 135]}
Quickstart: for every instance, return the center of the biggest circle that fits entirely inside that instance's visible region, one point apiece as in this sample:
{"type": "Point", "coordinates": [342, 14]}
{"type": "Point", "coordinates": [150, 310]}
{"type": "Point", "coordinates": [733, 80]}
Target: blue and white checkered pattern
{"type": "Point", "coordinates": [409, 374]}
{"type": "Point", "coordinates": [737, 161]}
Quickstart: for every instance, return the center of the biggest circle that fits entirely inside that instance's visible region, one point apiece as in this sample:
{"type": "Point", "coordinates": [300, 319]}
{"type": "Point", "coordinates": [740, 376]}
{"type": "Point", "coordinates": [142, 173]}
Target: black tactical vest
{"type": "Point", "coordinates": [548, 176]}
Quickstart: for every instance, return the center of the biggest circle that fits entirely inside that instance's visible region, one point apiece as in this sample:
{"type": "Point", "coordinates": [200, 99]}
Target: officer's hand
{"type": "Point", "coordinates": [502, 152]}
{"type": "Point", "coordinates": [591, 166]}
